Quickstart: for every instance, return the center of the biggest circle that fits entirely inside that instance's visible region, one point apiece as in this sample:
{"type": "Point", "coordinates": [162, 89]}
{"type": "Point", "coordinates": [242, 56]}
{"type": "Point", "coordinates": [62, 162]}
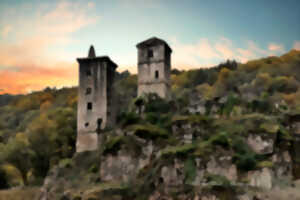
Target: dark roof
{"type": "Point", "coordinates": [100, 59]}
{"type": "Point", "coordinates": [152, 42]}
{"type": "Point", "coordinates": [92, 53]}
{"type": "Point", "coordinates": [92, 57]}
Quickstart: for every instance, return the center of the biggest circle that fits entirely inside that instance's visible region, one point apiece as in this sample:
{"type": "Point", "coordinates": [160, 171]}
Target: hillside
{"type": "Point", "coordinates": [229, 132]}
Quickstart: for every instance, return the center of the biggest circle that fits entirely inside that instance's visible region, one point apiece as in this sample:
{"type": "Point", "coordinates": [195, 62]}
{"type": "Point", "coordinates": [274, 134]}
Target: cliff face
{"type": "Point", "coordinates": [243, 157]}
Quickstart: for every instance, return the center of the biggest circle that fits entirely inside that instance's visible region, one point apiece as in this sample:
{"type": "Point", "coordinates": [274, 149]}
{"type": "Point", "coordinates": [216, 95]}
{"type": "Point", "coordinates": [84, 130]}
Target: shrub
{"type": "Point", "coordinates": [189, 170]}
{"type": "Point", "coordinates": [148, 131]}
{"type": "Point", "coordinates": [128, 118]}
{"type": "Point", "coordinates": [244, 158]}
{"type": "Point", "coordinates": [245, 162]}
{"type": "Point", "coordinates": [179, 151]}
{"type": "Point", "coordinates": [217, 180]}
{"type": "Point", "coordinates": [264, 164]}
{"type": "Point", "coordinates": [65, 163]}
{"type": "Point", "coordinates": [221, 139]}
{"type": "Point", "coordinates": [113, 144]}
{"type": "Point", "coordinates": [156, 104]}
{"type": "Point", "coordinates": [3, 179]}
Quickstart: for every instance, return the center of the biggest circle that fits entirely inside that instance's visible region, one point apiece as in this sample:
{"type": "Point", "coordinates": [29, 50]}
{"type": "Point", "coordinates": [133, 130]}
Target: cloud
{"type": "Point", "coordinates": [66, 18]}
{"type": "Point", "coordinates": [297, 45]}
{"type": "Point", "coordinates": [31, 78]}
{"type": "Point", "coordinates": [91, 5]}
{"type": "Point", "coordinates": [206, 52]}
{"type": "Point", "coordinates": [276, 47]}
{"type": "Point", "coordinates": [45, 30]}
{"type": "Point", "coordinates": [187, 56]}
{"type": "Point", "coordinates": [140, 3]}
{"type": "Point", "coordinates": [6, 30]}
{"type": "Point", "coordinates": [224, 47]}
{"type": "Point", "coordinates": [27, 62]}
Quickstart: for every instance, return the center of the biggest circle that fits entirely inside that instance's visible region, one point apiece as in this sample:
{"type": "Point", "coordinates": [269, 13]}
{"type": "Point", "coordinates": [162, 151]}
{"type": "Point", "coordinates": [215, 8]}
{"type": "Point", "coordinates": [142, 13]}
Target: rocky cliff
{"type": "Point", "coordinates": [244, 157]}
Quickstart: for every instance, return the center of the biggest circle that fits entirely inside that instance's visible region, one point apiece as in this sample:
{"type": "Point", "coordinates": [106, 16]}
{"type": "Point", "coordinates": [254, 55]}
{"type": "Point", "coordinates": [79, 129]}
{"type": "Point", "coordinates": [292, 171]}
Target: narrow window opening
{"type": "Point", "coordinates": [86, 124]}
{"type": "Point", "coordinates": [150, 53]}
{"type": "Point", "coordinates": [89, 106]}
{"type": "Point", "coordinates": [99, 122]}
{"type": "Point", "coordinates": [88, 91]}
{"type": "Point", "coordinates": [88, 72]}
{"type": "Point", "coordinates": [156, 74]}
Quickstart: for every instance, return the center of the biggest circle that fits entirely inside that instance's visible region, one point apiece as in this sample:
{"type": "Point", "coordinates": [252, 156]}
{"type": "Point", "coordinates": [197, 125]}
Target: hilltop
{"type": "Point", "coordinates": [229, 132]}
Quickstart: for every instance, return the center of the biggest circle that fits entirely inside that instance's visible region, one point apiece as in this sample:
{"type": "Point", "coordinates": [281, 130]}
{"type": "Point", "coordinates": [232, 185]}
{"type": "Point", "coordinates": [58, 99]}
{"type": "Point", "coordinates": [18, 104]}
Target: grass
{"type": "Point", "coordinates": [115, 143]}
{"type": "Point", "coordinates": [189, 171]}
{"type": "Point", "coordinates": [218, 180]}
{"type": "Point", "coordinates": [148, 131]}
{"type": "Point", "coordinates": [264, 164]}
{"type": "Point", "coordinates": [194, 119]}
{"type": "Point", "coordinates": [178, 151]}
{"type": "Point", "coordinates": [269, 127]}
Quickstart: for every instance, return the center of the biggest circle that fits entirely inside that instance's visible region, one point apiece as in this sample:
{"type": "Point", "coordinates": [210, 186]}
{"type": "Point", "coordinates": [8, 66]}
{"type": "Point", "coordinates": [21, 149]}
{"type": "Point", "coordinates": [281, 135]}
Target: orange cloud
{"type": "Point", "coordinates": [30, 78]}
{"type": "Point", "coordinates": [26, 63]}
{"type": "Point", "coordinates": [297, 45]}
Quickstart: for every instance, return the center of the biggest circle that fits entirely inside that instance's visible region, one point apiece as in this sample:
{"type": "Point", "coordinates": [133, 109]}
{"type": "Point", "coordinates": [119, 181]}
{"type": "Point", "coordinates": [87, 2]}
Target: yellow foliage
{"type": "Point", "coordinates": [45, 105]}
{"type": "Point", "coordinates": [293, 98]}
{"type": "Point", "coordinates": [205, 90]}
{"type": "Point", "coordinates": [27, 193]}
{"type": "Point", "coordinates": [224, 74]}
{"type": "Point", "coordinates": [46, 97]}
{"type": "Point", "coordinates": [22, 137]}
{"type": "Point", "coordinates": [13, 175]}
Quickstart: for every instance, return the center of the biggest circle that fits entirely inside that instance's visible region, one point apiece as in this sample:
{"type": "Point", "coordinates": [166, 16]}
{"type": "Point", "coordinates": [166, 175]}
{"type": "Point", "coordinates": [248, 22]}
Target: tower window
{"type": "Point", "coordinates": [88, 72]}
{"type": "Point", "coordinates": [156, 74]}
{"type": "Point", "coordinates": [89, 106]}
{"type": "Point", "coordinates": [86, 124]}
{"type": "Point", "coordinates": [88, 91]}
{"type": "Point", "coordinates": [150, 53]}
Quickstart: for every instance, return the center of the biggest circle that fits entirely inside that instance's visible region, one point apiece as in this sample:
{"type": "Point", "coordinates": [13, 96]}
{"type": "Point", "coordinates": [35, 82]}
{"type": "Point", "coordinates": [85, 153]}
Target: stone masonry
{"type": "Point", "coordinates": [96, 108]}
{"type": "Point", "coordinates": [154, 67]}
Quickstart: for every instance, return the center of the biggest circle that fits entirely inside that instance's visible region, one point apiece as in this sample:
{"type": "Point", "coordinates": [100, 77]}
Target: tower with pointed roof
{"type": "Point", "coordinates": [154, 67]}
{"type": "Point", "coordinates": [95, 99]}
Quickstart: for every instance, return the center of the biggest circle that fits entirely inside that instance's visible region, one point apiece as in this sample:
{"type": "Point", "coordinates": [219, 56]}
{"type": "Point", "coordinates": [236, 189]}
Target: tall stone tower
{"type": "Point", "coordinates": [154, 67]}
{"type": "Point", "coordinates": [95, 99]}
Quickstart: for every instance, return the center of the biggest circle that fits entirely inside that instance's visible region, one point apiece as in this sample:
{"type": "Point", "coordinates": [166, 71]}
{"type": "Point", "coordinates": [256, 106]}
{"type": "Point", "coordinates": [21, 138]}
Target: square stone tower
{"type": "Point", "coordinates": [96, 108]}
{"type": "Point", "coordinates": [154, 67]}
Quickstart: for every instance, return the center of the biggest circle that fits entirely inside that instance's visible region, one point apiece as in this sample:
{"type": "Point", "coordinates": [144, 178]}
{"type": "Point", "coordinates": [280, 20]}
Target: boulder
{"type": "Point", "coordinates": [261, 178]}
{"type": "Point", "coordinates": [262, 143]}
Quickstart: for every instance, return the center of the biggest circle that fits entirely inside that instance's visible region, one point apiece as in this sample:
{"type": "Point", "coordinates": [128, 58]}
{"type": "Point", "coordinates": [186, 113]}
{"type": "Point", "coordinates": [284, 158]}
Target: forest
{"type": "Point", "coordinates": [38, 130]}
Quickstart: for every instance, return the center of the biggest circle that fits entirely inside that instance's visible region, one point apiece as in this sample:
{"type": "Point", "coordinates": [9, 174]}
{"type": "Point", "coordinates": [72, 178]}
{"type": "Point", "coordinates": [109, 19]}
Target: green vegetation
{"type": "Point", "coordinates": [38, 130]}
{"type": "Point", "coordinates": [189, 171]}
{"type": "Point", "coordinates": [148, 131]}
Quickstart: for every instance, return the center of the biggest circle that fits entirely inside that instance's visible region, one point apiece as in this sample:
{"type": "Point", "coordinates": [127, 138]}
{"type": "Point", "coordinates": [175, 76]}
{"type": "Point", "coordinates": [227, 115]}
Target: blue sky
{"type": "Point", "coordinates": [45, 37]}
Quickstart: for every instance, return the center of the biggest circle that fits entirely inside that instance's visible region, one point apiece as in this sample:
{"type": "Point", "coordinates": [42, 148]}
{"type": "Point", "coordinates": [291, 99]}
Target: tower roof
{"type": "Point", "coordinates": [153, 42]}
{"type": "Point", "coordinates": [93, 58]}
{"type": "Point", "coordinates": [92, 53]}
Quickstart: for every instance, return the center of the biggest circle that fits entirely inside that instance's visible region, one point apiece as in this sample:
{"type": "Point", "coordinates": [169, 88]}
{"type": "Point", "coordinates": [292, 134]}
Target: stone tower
{"type": "Point", "coordinates": [154, 67]}
{"type": "Point", "coordinates": [95, 99]}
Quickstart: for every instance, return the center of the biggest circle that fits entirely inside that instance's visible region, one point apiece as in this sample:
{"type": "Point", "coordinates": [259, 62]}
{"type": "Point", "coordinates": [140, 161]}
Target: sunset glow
{"type": "Point", "coordinates": [40, 40]}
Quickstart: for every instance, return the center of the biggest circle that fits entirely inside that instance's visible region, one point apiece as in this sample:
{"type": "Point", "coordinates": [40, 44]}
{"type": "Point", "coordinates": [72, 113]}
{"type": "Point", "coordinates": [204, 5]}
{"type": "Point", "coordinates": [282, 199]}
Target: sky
{"type": "Point", "coordinates": [40, 40]}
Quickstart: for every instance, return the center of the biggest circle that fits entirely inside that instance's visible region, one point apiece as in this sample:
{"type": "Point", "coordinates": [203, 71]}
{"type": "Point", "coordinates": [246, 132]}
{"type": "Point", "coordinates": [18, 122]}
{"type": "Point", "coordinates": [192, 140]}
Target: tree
{"type": "Point", "coordinates": [17, 153]}
{"type": "Point", "coordinates": [139, 102]}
